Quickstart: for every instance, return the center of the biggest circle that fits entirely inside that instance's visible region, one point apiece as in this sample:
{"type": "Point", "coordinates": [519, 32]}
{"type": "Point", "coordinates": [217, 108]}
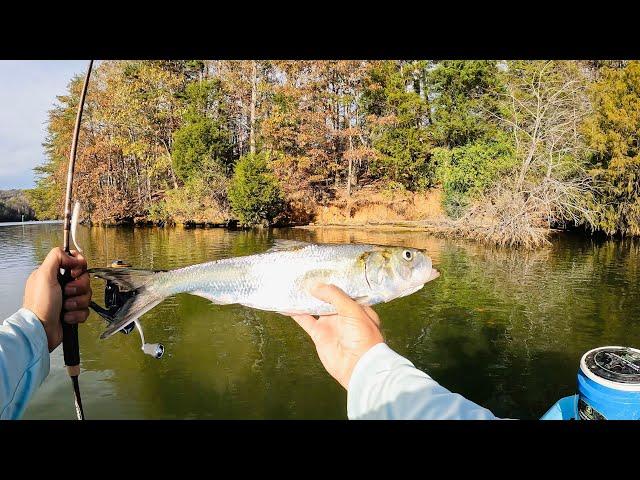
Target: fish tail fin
{"type": "Point", "coordinates": [146, 294]}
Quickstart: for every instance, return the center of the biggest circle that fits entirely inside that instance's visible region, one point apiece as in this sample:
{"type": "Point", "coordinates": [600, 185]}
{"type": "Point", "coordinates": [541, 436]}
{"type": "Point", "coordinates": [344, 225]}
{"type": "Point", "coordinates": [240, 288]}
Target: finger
{"type": "Point", "coordinates": [79, 286]}
{"type": "Point", "coordinates": [372, 314]}
{"type": "Point", "coordinates": [345, 306]}
{"type": "Point", "coordinates": [79, 302]}
{"type": "Point", "coordinates": [77, 316]}
{"type": "Point", "coordinates": [57, 258]}
{"type": "Point", "coordinates": [82, 265]}
{"type": "Point", "coordinates": [307, 322]}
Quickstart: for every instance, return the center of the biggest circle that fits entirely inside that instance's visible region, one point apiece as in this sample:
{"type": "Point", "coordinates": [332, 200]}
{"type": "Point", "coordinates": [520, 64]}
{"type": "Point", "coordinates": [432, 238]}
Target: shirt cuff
{"type": "Point", "coordinates": [378, 359]}
{"type": "Point", "coordinates": [32, 327]}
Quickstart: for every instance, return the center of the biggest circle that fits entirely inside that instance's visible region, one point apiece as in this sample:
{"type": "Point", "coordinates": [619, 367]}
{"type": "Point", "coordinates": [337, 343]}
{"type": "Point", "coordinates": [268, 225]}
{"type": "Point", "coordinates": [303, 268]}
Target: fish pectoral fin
{"type": "Point", "coordinates": [285, 245]}
{"type": "Point", "coordinates": [213, 299]}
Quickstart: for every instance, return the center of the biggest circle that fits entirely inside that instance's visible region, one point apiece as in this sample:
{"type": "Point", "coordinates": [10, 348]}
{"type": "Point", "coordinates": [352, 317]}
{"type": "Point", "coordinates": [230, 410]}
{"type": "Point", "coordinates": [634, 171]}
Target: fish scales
{"type": "Point", "coordinates": [274, 281]}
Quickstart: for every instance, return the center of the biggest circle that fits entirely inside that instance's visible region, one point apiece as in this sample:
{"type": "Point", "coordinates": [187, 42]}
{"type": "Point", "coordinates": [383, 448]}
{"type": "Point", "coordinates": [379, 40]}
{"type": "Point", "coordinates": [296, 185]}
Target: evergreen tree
{"type": "Point", "coordinates": [613, 133]}
{"type": "Point", "coordinates": [254, 192]}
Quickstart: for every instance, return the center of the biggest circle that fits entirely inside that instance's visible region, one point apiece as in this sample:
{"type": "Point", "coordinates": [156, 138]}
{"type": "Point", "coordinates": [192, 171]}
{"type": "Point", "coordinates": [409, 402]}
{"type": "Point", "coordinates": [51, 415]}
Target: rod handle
{"type": "Point", "coordinates": [70, 344]}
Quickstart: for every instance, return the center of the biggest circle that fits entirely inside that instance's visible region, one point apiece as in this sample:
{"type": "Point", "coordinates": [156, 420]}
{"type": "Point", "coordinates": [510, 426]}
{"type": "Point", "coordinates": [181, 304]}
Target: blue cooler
{"type": "Point", "coordinates": [608, 387]}
{"type": "Point", "coordinates": [609, 384]}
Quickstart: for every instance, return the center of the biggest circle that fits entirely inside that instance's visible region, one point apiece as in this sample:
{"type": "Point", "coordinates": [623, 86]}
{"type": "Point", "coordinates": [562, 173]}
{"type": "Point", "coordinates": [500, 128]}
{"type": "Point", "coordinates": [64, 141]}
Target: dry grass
{"type": "Point", "coordinates": [198, 211]}
{"type": "Point", "coordinates": [505, 218]}
{"type": "Point", "coordinates": [523, 217]}
{"type": "Point", "coordinates": [375, 206]}
{"type": "Point", "coordinates": [507, 215]}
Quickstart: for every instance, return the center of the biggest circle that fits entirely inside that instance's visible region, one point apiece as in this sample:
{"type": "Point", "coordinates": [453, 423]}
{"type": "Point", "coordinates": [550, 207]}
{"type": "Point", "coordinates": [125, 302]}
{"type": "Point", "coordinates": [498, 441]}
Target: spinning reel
{"type": "Point", "coordinates": [114, 299]}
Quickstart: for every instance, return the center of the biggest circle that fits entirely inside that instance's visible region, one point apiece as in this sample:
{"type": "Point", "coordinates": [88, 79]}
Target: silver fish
{"type": "Point", "coordinates": [279, 279]}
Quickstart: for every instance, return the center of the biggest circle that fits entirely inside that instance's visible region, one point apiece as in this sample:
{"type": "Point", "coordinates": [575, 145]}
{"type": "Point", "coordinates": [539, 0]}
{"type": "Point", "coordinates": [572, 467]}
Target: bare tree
{"type": "Point", "coordinates": [252, 115]}
{"type": "Point", "coordinates": [545, 103]}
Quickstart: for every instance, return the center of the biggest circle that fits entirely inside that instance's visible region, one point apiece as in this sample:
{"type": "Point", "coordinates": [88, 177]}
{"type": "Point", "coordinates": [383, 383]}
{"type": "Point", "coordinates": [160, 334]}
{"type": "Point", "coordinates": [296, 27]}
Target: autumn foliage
{"type": "Point", "coordinates": [511, 147]}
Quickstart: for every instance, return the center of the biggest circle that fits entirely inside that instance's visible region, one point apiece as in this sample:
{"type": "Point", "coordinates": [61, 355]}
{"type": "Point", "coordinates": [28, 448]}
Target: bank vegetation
{"type": "Point", "coordinates": [501, 151]}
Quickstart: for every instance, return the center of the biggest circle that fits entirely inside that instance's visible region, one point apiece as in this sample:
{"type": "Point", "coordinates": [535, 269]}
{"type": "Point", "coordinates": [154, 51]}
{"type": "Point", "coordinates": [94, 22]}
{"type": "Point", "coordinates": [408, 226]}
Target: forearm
{"type": "Point", "coordinates": [24, 361]}
{"type": "Point", "coordinates": [385, 385]}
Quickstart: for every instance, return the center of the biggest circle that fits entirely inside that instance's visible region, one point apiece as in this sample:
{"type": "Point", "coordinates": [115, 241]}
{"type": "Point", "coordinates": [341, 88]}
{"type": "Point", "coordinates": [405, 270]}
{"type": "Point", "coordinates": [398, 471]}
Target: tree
{"type": "Point", "coordinates": [544, 109]}
{"type": "Point", "coordinates": [14, 206]}
{"type": "Point", "coordinates": [464, 97]}
{"type": "Point", "coordinates": [47, 198]}
{"type": "Point", "coordinates": [397, 112]}
{"type": "Point", "coordinates": [134, 108]}
{"type": "Point", "coordinates": [468, 171]}
{"type": "Point", "coordinates": [543, 106]}
{"type": "Point", "coordinates": [203, 143]}
{"type": "Point", "coordinates": [471, 151]}
{"type": "Point", "coordinates": [254, 192]}
{"type": "Point", "coordinates": [613, 135]}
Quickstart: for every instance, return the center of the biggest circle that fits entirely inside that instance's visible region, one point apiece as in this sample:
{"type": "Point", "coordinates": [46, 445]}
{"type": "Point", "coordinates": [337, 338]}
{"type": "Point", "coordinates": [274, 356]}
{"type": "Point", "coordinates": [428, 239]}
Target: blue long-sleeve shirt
{"type": "Point", "coordinates": [24, 361]}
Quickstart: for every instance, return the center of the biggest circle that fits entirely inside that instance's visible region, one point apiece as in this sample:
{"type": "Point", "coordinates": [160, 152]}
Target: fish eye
{"type": "Point", "coordinates": [407, 255]}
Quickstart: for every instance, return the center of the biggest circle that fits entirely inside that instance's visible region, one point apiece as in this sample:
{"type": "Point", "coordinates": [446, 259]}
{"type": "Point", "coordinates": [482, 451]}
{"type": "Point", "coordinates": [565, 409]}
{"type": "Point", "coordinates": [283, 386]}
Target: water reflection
{"type": "Point", "coordinates": [506, 328]}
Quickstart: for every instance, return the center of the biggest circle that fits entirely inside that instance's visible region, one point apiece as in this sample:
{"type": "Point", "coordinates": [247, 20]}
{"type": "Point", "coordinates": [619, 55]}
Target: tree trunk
{"type": "Point", "coordinates": [171, 171]}
{"type": "Point", "coordinates": [173, 177]}
{"type": "Point", "coordinates": [350, 172]}
{"type": "Point", "coordinates": [254, 95]}
{"type": "Point", "coordinates": [149, 188]}
{"type": "Point", "coordinates": [425, 95]}
{"type": "Point", "coordinates": [137, 170]}
{"type": "Point", "coordinates": [349, 177]}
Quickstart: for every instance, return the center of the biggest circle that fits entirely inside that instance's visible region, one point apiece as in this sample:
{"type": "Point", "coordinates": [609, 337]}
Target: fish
{"type": "Point", "coordinates": [278, 280]}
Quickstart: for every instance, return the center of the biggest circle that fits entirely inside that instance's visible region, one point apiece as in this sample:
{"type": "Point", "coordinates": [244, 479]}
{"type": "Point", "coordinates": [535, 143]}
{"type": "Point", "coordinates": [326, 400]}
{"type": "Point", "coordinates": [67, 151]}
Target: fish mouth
{"type": "Point", "coordinates": [433, 275]}
{"type": "Point", "coordinates": [427, 276]}
{"type": "Point", "coordinates": [411, 290]}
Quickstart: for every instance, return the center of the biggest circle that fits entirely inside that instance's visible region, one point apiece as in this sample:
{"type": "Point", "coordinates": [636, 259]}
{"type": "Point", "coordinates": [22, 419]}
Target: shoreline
{"type": "Point", "coordinates": [438, 228]}
{"type": "Point", "coordinates": [433, 227]}
{"type": "Point", "coordinates": [409, 225]}
{"type": "Point", "coordinates": [30, 222]}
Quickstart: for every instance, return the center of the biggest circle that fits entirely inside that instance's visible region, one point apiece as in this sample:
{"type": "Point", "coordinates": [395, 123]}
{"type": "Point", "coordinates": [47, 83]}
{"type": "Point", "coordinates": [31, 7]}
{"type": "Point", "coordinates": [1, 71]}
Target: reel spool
{"type": "Point", "coordinates": [114, 298]}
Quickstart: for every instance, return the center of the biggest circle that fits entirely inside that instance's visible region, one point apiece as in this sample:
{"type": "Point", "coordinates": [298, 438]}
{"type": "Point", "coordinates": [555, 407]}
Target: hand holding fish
{"type": "Point", "coordinates": [342, 338]}
{"type": "Point", "coordinates": [43, 295]}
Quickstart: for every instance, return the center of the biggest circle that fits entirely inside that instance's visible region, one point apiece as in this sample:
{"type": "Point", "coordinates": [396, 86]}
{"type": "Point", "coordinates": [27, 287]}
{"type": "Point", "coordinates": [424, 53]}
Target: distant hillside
{"type": "Point", "coordinates": [14, 204]}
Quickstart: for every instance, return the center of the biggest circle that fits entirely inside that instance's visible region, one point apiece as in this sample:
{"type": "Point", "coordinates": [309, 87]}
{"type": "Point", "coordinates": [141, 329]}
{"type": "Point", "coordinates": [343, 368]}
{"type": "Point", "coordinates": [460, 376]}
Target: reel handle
{"type": "Point", "coordinates": [156, 350]}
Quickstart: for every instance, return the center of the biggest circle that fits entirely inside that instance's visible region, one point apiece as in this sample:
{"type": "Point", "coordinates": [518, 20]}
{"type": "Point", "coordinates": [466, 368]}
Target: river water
{"type": "Point", "coordinates": [503, 327]}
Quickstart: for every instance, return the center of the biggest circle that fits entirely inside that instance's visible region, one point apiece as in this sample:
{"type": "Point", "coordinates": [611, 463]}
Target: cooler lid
{"type": "Point", "coordinates": [615, 364]}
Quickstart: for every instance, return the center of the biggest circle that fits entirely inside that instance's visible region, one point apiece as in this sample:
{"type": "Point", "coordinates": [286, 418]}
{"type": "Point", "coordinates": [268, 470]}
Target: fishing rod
{"type": "Point", "coordinates": [70, 344]}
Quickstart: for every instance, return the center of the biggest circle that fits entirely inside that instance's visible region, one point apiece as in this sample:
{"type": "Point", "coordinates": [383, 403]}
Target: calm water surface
{"type": "Point", "coordinates": [504, 328]}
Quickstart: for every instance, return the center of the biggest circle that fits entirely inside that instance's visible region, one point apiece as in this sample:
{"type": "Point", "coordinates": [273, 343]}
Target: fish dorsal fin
{"type": "Point", "coordinates": [280, 245]}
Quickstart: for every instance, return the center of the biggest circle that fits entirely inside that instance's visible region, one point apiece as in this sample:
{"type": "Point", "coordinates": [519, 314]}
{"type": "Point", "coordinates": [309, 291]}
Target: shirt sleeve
{"type": "Point", "coordinates": [387, 386]}
{"type": "Point", "coordinates": [24, 361]}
